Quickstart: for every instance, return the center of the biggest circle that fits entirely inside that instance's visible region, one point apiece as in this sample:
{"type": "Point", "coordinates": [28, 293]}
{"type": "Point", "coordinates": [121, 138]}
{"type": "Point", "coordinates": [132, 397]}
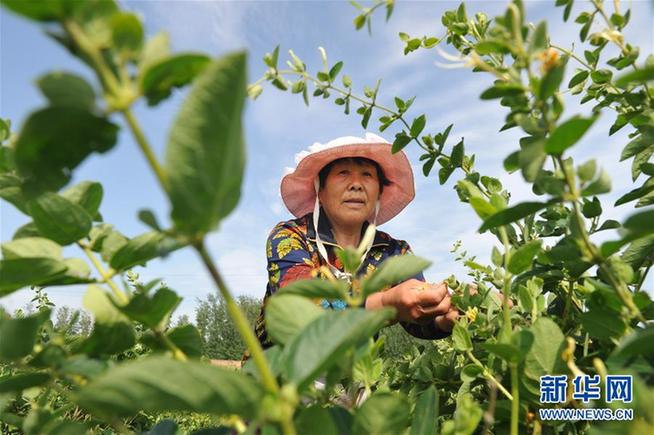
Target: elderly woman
{"type": "Point", "coordinates": [335, 191]}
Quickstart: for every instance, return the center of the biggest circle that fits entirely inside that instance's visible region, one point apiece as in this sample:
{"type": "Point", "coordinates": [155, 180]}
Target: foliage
{"type": "Point", "coordinates": [570, 306]}
{"type": "Point", "coordinates": [220, 338]}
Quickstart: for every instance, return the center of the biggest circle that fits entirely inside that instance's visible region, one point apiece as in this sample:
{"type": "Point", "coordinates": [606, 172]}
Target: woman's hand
{"type": "Point", "coordinates": [415, 301]}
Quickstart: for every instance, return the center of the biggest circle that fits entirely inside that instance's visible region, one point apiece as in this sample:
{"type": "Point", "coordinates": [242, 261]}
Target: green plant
{"type": "Point", "coordinates": [578, 306]}
{"type": "Point", "coordinates": [568, 289]}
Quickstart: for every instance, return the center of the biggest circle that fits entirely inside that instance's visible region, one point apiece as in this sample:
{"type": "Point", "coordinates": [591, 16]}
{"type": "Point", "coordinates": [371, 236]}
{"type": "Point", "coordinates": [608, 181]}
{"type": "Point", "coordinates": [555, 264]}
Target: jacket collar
{"type": "Point", "coordinates": [325, 231]}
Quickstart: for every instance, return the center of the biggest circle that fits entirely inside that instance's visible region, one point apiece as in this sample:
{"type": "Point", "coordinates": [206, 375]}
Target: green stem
{"type": "Point", "coordinates": [506, 290]}
{"type": "Point", "coordinates": [515, 403]}
{"type": "Point", "coordinates": [240, 322]}
{"type": "Point", "coordinates": [178, 354]}
{"type": "Point", "coordinates": [620, 288]}
{"type": "Point", "coordinates": [489, 375]}
{"type": "Point", "coordinates": [107, 78]}
{"type": "Point", "coordinates": [572, 55]}
{"type": "Point", "coordinates": [120, 296]}
{"type": "Point", "coordinates": [643, 276]}
{"type": "Point", "coordinates": [145, 147]}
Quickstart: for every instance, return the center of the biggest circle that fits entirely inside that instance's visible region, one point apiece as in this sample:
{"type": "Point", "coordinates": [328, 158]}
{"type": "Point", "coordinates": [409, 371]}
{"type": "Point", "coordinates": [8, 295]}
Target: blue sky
{"type": "Point", "coordinates": [278, 125]}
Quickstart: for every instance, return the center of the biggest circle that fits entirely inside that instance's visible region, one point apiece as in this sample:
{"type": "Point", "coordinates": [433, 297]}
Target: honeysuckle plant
{"type": "Point", "coordinates": [570, 305]}
{"type": "Point", "coordinates": [578, 306]}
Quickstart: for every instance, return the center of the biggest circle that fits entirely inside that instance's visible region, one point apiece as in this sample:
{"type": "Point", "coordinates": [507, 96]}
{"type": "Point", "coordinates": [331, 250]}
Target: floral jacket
{"type": "Point", "coordinates": [292, 255]}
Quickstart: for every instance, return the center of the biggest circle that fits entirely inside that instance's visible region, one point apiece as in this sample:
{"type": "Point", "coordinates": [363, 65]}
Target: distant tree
{"type": "Point", "coordinates": [219, 336]}
{"type": "Point", "coordinates": [72, 321]}
{"type": "Point", "coordinates": [182, 320]}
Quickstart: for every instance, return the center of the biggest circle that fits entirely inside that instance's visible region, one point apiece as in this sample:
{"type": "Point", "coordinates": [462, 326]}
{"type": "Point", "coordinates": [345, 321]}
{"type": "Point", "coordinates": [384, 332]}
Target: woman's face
{"type": "Point", "coordinates": [350, 193]}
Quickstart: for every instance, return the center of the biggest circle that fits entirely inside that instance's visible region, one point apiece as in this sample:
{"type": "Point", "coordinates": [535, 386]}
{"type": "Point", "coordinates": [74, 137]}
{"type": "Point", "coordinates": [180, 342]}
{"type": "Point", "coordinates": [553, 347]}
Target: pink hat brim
{"type": "Point", "coordinates": [298, 191]}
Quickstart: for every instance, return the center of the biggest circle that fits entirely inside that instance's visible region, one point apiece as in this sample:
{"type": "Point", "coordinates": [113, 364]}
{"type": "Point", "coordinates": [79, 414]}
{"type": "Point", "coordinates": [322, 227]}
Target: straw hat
{"type": "Point", "coordinates": [298, 187]}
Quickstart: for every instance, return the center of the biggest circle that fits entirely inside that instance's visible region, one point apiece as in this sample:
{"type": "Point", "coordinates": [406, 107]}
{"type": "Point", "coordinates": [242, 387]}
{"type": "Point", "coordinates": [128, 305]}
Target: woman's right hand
{"type": "Point", "coordinates": [417, 301]}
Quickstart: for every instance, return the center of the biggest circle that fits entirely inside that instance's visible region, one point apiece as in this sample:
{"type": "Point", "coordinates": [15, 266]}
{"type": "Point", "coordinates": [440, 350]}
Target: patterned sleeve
{"type": "Point", "coordinates": [426, 332]}
{"type": "Point", "coordinates": [288, 260]}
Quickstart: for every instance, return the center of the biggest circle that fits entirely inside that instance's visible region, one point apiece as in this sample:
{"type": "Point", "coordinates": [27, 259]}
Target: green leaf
{"type": "Point", "coordinates": [482, 207]}
{"type": "Point", "coordinates": [578, 78]}
{"type": "Point", "coordinates": [592, 208]}
{"type": "Point", "coordinates": [112, 331]}
{"type": "Point", "coordinates": [153, 311]}
{"type": "Point", "coordinates": [521, 259]}
{"type": "Point", "coordinates": [401, 140]}
{"type": "Point", "coordinates": [531, 158]}
{"type": "Point", "coordinates": [333, 73]}
{"type": "Point", "coordinates": [205, 156]}
{"type": "Point", "coordinates": [637, 342]}
{"type": "Point", "coordinates": [106, 240]}
{"type": "Point", "coordinates": [512, 214]}
{"type": "Point", "coordinates": [31, 247]}
{"type": "Point", "coordinates": [322, 342]}
{"type": "Point", "coordinates": [23, 381]}
{"type": "Point", "coordinates": [156, 49]}
{"type": "Point", "coordinates": [544, 357]}
{"type": "Point", "coordinates": [461, 338]}
{"type": "Point", "coordinates": [502, 90]}
{"type": "Point", "coordinates": [87, 194]}
{"type": "Point", "coordinates": [552, 80]}
{"type": "Point", "coordinates": [156, 384]}
{"type": "Point", "coordinates": [638, 144]}
{"type": "Point", "coordinates": [602, 323]}
{"type": "Point", "coordinates": [17, 336]}
{"type": "Point", "coordinates": [45, 159]}
{"type": "Point", "coordinates": [587, 170]}
{"type": "Point", "coordinates": [601, 76]}
{"type": "Point", "coordinates": [147, 217]}
{"type": "Point", "coordinates": [288, 314]}
{"type": "Point", "coordinates": [638, 251]}
{"type": "Point", "coordinates": [393, 271]}
{"type": "Point", "coordinates": [383, 413]}
{"type": "Point", "coordinates": [489, 46]}
{"type": "Point", "coordinates": [418, 125]}
{"type": "Point", "coordinates": [142, 249]}
{"type": "Point", "coordinates": [512, 162]}
{"type": "Point", "coordinates": [567, 134]}
{"type": "Point", "coordinates": [316, 288]}
{"type": "Point", "coordinates": [425, 414]}
{"type": "Point", "coordinates": [66, 89]}
{"type": "Point", "coordinates": [642, 75]}
{"type": "Point", "coordinates": [59, 219]}
{"type": "Point", "coordinates": [45, 11]}
{"type": "Point", "coordinates": [315, 420]}
{"type": "Point", "coordinates": [538, 40]}
{"type": "Point", "coordinates": [458, 152]}
{"type": "Point", "coordinates": [161, 77]}
{"type": "Point", "coordinates": [444, 173]}
{"type": "Point", "coordinates": [601, 185]}
{"type": "Point", "coordinates": [640, 223]}
{"type": "Point", "coordinates": [127, 34]}
{"type": "Point", "coordinates": [188, 339]}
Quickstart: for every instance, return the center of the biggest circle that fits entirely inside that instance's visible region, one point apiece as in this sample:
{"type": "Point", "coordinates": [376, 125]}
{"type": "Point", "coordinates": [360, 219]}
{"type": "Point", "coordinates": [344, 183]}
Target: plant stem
{"type": "Point", "coordinates": [572, 55]}
{"type": "Point", "coordinates": [643, 276]}
{"type": "Point", "coordinates": [240, 321]}
{"type": "Point", "coordinates": [515, 403]}
{"type": "Point", "coordinates": [120, 296]}
{"type": "Point", "coordinates": [620, 288]}
{"type": "Point", "coordinates": [178, 354]}
{"type": "Point", "coordinates": [488, 375]}
{"type": "Point", "coordinates": [106, 76]}
{"type": "Point", "coordinates": [134, 126]}
{"type": "Point", "coordinates": [506, 290]}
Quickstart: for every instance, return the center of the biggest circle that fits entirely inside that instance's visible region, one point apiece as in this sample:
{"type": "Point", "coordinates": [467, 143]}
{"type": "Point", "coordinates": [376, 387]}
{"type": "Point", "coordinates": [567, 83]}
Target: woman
{"type": "Point", "coordinates": [335, 191]}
